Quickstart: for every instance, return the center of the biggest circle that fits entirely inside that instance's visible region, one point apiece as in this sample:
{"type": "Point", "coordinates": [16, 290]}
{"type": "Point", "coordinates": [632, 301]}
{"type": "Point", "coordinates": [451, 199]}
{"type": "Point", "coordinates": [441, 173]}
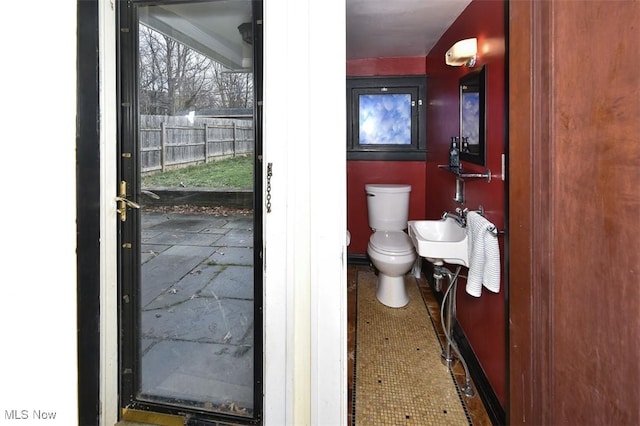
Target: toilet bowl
{"type": "Point", "coordinates": [390, 249]}
{"type": "Point", "coordinates": [393, 254]}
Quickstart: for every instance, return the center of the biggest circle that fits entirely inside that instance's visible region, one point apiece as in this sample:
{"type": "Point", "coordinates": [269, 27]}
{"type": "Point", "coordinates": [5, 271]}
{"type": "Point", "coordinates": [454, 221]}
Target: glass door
{"type": "Point", "coordinates": [190, 235]}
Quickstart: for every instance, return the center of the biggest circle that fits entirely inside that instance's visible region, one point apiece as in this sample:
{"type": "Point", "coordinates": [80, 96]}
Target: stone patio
{"type": "Point", "coordinates": [197, 310]}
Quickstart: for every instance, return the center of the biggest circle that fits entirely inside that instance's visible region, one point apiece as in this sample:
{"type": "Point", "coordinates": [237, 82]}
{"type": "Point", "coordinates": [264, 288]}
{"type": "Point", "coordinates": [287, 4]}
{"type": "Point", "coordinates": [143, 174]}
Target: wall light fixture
{"type": "Point", "coordinates": [462, 53]}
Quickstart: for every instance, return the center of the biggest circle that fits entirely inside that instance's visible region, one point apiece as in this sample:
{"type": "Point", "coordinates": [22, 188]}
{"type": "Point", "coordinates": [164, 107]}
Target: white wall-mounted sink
{"type": "Point", "coordinates": [443, 240]}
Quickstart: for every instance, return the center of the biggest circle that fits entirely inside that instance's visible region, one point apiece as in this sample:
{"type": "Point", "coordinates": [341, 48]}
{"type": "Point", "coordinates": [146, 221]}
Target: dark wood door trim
{"type": "Point", "coordinates": [573, 213]}
{"type": "Point", "coordinates": [530, 248]}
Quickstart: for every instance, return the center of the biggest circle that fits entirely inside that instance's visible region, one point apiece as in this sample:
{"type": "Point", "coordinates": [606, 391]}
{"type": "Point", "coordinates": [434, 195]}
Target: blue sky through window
{"type": "Point", "coordinates": [385, 119]}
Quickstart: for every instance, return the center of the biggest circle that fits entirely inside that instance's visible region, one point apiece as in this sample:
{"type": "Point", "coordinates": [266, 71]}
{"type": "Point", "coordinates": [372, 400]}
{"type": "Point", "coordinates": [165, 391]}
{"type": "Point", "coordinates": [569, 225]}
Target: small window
{"type": "Point", "coordinates": [386, 118]}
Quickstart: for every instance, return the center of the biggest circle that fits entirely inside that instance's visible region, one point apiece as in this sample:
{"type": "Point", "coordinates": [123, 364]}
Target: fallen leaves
{"type": "Point", "coordinates": [208, 210]}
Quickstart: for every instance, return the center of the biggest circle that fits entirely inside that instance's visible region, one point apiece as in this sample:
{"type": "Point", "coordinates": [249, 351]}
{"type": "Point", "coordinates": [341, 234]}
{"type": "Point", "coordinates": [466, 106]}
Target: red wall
{"type": "Point", "coordinates": [360, 173]}
{"type": "Point", "coordinates": [483, 318]}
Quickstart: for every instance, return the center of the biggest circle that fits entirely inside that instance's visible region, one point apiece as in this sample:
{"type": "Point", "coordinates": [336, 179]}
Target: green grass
{"type": "Point", "coordinates": [236, 173]}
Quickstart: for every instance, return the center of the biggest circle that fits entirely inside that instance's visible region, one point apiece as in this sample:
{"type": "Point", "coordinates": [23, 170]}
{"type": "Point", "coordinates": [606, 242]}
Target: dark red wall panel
{"type": "Point", "coordinates": [482, 319]}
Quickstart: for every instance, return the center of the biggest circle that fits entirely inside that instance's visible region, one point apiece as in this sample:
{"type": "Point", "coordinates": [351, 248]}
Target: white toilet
{"type": "Point", "coordinates": [390, 248]}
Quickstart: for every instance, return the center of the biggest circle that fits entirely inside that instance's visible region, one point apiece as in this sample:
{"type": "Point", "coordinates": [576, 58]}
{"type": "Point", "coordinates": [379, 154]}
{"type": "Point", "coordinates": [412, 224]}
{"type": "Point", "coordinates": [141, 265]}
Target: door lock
{"type": "Point", "coordinates": [124, 202]}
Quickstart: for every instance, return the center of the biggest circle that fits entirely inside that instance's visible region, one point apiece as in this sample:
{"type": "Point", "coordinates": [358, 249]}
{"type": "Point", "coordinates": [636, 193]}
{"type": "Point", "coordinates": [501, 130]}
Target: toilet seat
{"type": "Point", "coordinates": [391, 243]}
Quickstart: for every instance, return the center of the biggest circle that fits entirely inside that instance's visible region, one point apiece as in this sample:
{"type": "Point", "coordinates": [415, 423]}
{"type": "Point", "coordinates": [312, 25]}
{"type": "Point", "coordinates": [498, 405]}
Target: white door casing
{"type": "Point", "coordinates": [305, 287]}
{"type": "Point", "coordinates": [305, 251]}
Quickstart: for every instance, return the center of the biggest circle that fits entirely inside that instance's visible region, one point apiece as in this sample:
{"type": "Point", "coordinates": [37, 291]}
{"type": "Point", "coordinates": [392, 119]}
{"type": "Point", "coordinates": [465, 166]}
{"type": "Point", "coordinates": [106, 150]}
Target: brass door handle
{"type": "Point", "coordinates": [124, 202]}
{"type": "Point", "coordinates": [122, 209]}
{"type": "Point", "coordinates": [128, 202]}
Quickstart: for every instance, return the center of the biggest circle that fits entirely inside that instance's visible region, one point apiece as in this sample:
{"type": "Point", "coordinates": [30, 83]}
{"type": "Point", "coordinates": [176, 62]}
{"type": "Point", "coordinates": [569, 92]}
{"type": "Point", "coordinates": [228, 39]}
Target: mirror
{"type": "Point", "coordinates": [472, 120]}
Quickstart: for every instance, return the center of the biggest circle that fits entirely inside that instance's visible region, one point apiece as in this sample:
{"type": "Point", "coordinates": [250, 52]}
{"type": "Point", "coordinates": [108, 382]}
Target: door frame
{"type": "Point", "coordinates": [88, 214]}
{"type": "Point", "coordinates": [560, 292]}
{"type": "Point", "coordinates": [305, 261]}
{"type": "Point", "coordinates": [129, 272]}
{"type": "Point", "coordinates": [529, 213]}
{"type": "Point", "coordinates": [306, 298]}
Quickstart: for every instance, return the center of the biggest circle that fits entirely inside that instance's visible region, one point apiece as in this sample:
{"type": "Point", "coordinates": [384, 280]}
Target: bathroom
{"type": "Point", "coordinates": [433, 188]}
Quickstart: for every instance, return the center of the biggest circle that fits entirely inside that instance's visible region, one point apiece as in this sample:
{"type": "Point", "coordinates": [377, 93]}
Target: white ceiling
{"type": "Point", "coordinates": [210, 28]}
{"type": "Point", "coordinates": [393, 28]}
{"type": "Point", "coordinates": [375, 28]}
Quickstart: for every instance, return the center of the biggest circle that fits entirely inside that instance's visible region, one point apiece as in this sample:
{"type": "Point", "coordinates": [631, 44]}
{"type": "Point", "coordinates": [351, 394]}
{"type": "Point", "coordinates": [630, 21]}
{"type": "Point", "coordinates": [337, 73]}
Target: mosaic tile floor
{"type": "Point", "coordinates": [392, 344]}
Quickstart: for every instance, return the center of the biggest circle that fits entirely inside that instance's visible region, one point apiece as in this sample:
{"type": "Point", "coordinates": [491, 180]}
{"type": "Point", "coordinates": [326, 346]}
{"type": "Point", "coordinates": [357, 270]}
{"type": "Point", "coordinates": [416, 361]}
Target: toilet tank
{"type": "Point", "coordinates": [388, 206]}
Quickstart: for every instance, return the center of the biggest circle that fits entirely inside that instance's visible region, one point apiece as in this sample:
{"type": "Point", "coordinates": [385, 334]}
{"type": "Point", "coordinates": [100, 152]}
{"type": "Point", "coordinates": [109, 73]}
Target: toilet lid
{"type": "Point", "coordinates": [391, 242]}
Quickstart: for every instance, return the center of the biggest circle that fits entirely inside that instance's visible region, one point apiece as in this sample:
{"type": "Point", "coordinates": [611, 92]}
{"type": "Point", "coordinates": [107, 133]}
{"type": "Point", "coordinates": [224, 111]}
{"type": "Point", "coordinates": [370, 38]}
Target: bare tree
{"type": "Point", "coordinates": [233, 89]}
{"type": "Point", "coordinates": [175, 78]}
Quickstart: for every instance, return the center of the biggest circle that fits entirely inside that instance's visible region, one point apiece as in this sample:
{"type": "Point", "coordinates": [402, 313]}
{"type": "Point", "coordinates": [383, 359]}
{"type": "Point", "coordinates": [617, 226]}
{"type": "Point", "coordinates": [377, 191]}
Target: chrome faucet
{"type": "Point", "coordinates": [460, 217]}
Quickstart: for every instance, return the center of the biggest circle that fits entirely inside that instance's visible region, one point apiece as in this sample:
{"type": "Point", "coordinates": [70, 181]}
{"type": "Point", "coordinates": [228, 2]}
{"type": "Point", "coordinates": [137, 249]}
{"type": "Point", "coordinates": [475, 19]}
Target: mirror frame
{"type": "Point", "coordinates": [475, 78]}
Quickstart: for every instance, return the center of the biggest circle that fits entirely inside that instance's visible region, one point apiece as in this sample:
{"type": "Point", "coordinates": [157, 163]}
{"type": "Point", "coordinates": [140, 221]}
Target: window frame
{"type": "Point", "coordinates": [413, 85]}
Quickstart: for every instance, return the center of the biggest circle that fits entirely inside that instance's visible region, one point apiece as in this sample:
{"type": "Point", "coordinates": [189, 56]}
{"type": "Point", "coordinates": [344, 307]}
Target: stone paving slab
{"type": "Point", "coordinates": [149, 251]}
{"type": "Point", "coordinates": [162, 272]}
{"type": "Point", "coordinates": [184, 223]}
{"type": "Point", "coordinates": [184, 238]}
{"type": "Point", "coordinates": [146, 235]}
{"type": "Point", "coordinates": [236, 238]}
{"type": "Point", "coordinates": [150, 219]}
{"type": "Point", "coordinates": [231, 256]}
{"type": "Point", "coordinates": [232, 282]}
{"type": "Point", "coordinates": [189, 287]}
{"type": "Point", "coordinates": [240, 223]}
{"type": "Point", "coordinates": [203, 319]}
{"type": "Point", "coordinates": [208, 373]}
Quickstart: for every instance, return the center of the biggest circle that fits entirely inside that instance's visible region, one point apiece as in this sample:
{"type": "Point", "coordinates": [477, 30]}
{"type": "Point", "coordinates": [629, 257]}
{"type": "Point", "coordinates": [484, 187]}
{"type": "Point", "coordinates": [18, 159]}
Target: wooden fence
{"type": "Point", "coordinates": [168, 142]}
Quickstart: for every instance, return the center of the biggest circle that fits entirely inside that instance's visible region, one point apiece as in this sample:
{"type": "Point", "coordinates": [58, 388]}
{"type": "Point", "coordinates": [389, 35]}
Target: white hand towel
{"type": "Point", "coordinates": [484, 256]}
